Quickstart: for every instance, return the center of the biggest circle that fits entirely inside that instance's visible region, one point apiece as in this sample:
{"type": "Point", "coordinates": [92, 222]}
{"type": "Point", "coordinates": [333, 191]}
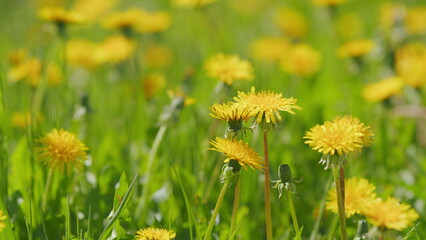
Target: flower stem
{"type": "Point", "coordinates": [268, 217]}
{"type": "Point", "coordinates": [46, 190]}
{"type": "Point", "coordinates": [293, 212]}
{"type": "Point", "coordinates": [216, 210]}
{"type": "Point", "coordinates": [235, 209]}
{"type": "Point", "coordinates": [340, 203]}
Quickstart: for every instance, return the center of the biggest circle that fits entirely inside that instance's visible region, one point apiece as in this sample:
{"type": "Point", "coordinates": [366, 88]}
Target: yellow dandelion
{"type": "Point", "coordinates": [391, 13]}
{"type": "Point", "coordinates": [116, 49]}
{"type": "Point", "coordinates": [390, 214]}
{"type": "Point", "coordinates": [17, 57]}
{"type": "Point", "coordinates": [324, 3]}
{"type": "Point", "coordinates": [238, 151]}
{"type": "Point", "coordinates": [123, 19]}
{"type": "Point", "coordinates": [157, 56]}
{"type": "Point", "coordinates": [355, 48]}
{"type": "Point", "coordinates": [383, 89]}
{"type": "Point", "coordinates": [358, 194]}
{"type": "Point", "coordinates": [61, 149]}
{"type": "Point", "coordinates": [267, 104]}
{"type": "Point", "coordinates": [340, 136]}
{"type": "Point", "coordinates": [153, 22]}
{"type": "Point", "coordinates": [270, 48]}
{"type": "Point", "coordinates": [228, 68]}
{"type": "Point", "coordinates": [192, 3]}
{"type": "Point", "coordinates": [152, 84]}
{"type": "Point", "coordinates": [80, 52]}
{"type": "Point", "coordinates": [154, 234]}
{"type": "Point", "coordinates": [92, 9]}
{"type": "Point", "coordinates": [29, 69]}
{"type": "Point", "coordinates": [410, 62]}
{"type": "Point", "coordinates": [349, 25]}
{"type": "Point", "coordinates": [301, 60]}
{"type": "Point", "coordinates": [232, 112]}
{"type": "Point", "coordinates": [60, 15]}
{"type": "Point", "coordinates": [2, 218]}
{"type": "Point", "coordinates": [23, 119]}
{"type": "Point", "coordinates": [415, 21]}
{"type": "Point", "coordinates": [292, 22]}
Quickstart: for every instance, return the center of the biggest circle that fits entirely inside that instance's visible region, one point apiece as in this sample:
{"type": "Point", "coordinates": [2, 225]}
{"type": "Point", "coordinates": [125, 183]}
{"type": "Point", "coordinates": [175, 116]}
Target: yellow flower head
{"type": "Point", "coordinates": [233, 113]}
{"type": "Point", "coordinates": [301, 60]}
{"type": "Point", "coordinates": [60, 15]}
{"type": "Point", "coordinates": [238, 151]}
{"type": "Point", "coordinates": [80, 52]}
{"type": "Point", "coordinates": [267, 104]}
{"type": "Point", "coordinates": [92, 9]}
{"type": "Point", "coordinates": [355, 48]}
{"type": "Point", "coordinates": [410, 62]}
{"type": "Point", "coordinates": [383, 89]}
{"type": "Point", "coordinates": [23, 119]}
{"type": "Point", "coordinates": [349, 25]}
{"type": "Point", "coordinates": [154, 234]}
{"type": "Point", "coordinates": [2, 218]}
{"type": "Point", "coordinates": [192, 3]}
{"type": "Point", "coordinates": [17, 57]}
{"type": "Point", "coordinates": [152, 84]}
{"type": "Point", "coordinates": [358, 194]}
{"type": "Point", "coordinates": [390, 214]}
{"type": "Point", "coordinates": [157, 56]}
{"type": "Point", "coordinates": [291, 22]}
{"type": "Point", "coordinates": [228, 68]}
{"type": "Point", "coordinates": [153, 22]}
{"type": "Point", "coordinates": [324, 3]}
{"type": "Point", "coordinates": [116, 49]}
{"type": "Point", "coordinates": [270, 48]}
{"type": "Point", "coordinates": [29, 69]}
{"type": "Point", "coordinates": [340, 136]}
{"type": "Point", "coordinates": [61, 149]}
{"type": "Point", "coordinates": [416, 20]}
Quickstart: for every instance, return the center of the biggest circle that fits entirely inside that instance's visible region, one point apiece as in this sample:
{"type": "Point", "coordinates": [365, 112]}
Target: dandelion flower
{"type": "Point", "coordinates": [358, 194]}
{"type": "Point", "coordinates": [238, 151]}
{"type": "Point", "coordinates": [60, 15]}
{"type": "Point", "coordinates": [291, 22]}
{"type": "Point", "coordinates": [355, 48]}
{"type": "Point", "coordinates": [2, 218]}
{"type": "Point", "coordinates": [192, 3]}
{"type": "Point", "coordinates": [390, 214]}
{"type": "Point", "coordinates": [116, 49]}
{"type": "Point", "coordinates": [340, 136]}
{"type": "Point", "coordinates": [267, 104]}
{"type": "Point", "coordinates": [152, 84]}
{"type": "Point", "coordinates": [391, 13]}
{"type": "Point", "coordinates": [270, 48]}
{"type": "Point", "coordinates": [324, 3]}
{"type": "Point", "coordinates": [228, 68]}
{"type": "Point", "coordinates": [349, 25]}
{"type": "Point", "coordinates": [92, 9]}
{"type": "Point", "coordinates": [410, 62]}
{"type": "Point", "coordinates": [301, 60]}
{"type": "Point", "coordinates": [415, 21]}
{"type": "Point", "coordinates": [61, 149]}
{"type": "Point", "coordinates": [382, 89]}
{"type": "Point", "coordinates": [29, 69]}
{"type": "Point", "coordinates": [154, 234]}
{"type": "Point", "coordinates": [231, 112]}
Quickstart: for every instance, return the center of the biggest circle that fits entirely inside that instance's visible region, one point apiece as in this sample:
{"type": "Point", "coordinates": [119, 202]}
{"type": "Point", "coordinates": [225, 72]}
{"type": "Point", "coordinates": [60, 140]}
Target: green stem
{"type": "Point", "coordinates": [144, 198]}
{"type": "Point", "coordinates": [235, 209]}
{"type": "Point", "coordinates": [216, 210]}
{"type": "Point", "coordinates": [46, 190]}
{"type": "Point", "coordinates": [268, 217]}
{"type": "Point", "coordinates": [293, 212]}
{"type": "Point", "coordinates": [321, 208]}
{"type": "Point", "coordinates": [340, 203]}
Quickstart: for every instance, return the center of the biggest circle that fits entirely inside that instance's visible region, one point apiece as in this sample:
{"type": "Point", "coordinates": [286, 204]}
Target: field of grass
{"type": "Point", "coordinates": [134, 94]}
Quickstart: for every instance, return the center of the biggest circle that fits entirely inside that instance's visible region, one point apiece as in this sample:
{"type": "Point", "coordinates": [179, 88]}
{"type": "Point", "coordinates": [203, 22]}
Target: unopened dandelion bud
{"type": "Point", "coordinates": [284, 173]}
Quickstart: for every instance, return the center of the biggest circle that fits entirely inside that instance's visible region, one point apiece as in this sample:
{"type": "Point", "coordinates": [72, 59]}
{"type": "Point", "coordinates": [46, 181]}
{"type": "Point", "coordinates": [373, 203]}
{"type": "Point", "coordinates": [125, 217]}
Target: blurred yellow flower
{"type": "Point", "coordinates": [228, 68]}
{"type": "Point", "coordinates": [61, 15]}
{"type": "Point", "coordinates": [192, 3]}
{"type": "Point", "coordinates": [22, 119]}
{"type": "Point", "coordinates": [29, 70]}
{"type": "Point", "coordinates": [323, 3]}
{"type": "Point", "coordinates": [152, 84]}
{"type": "Point", "coordinates": [415, 21]}
{"type": "Point", "coordinates": [178, 92]}
{"type": "Point", "coordinates": [292, 22]}
{"type": "Point", "coordinates": [390, 214]}
{"type": "Point", "coordinates": [154, 234]}
{"type": "Point", "coordinates": [138, 20]}
{"type": "Point", "coordinates": [410, 62]}
{"type": "Point", "coordinates": [2, 218]}
{"type": "Point", "coordinates": [61, 149]}
{"type": "Point", "coordinates": [358, 194]}
{"type": "Point", "coordinates": [270, 48]}
{"type": "Point", "coordinates": [93, 9]}
{"type": "Point", "coordinates": [301, 60]}
{"type": "Point", "coordinates": [341, 135]}
{"type": "Point", "coordinates": [17, 57]}
{"type": "Point", "coordinates": [391, 13]}
{"type": "Point", "coordinates": [355, 48]}
{"type": "Point", "coordinates": [116, 49]}
{"type": "Point", "coordinates": [349, 25]}
{"type": "Point", "coordinates": [157, 56]}
{"type": "Point", "coordinates": [383, 89]}
{"type": "Point", "coordinates": [53, 74]}
{"type": "Point", "coordinates": [80, 52]}
{"type": "Point", "coordinates": [238, 151]}
{"type": "Point", "coordinates": [267, 104]}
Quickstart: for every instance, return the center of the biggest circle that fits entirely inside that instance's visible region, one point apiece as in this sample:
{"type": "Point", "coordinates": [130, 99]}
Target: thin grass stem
{"type": "Point", "coordinates": [216, 211]}
{"type": "Point", "coordinates": [268, 216]}
{"type": "Point", "coordinates": [46, 190]}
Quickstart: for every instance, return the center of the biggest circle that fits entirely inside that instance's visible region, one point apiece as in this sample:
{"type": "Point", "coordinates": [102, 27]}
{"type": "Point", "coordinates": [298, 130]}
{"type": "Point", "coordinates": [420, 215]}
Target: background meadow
{"type": "Point", "coordinates": [119, 106]}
